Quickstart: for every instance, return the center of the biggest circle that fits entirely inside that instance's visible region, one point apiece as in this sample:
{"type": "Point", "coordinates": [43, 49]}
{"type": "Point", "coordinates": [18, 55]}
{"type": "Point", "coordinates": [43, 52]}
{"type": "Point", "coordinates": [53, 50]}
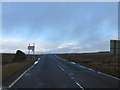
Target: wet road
{"type": "Point", "coordinates": [51, 71]}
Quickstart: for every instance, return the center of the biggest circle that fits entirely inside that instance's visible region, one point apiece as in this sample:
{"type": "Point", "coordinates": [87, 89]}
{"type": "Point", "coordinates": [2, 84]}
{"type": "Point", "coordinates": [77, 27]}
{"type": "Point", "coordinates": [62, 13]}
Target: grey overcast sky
{"type": "Point", "coordinates": [59, 27]}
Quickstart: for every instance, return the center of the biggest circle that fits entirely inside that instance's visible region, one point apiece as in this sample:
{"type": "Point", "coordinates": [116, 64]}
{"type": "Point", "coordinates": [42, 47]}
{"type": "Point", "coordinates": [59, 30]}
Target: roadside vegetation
{"type": "Point", "coordinates": [10, 66]}
{"type": "Point", "coordinates": [104, 62]}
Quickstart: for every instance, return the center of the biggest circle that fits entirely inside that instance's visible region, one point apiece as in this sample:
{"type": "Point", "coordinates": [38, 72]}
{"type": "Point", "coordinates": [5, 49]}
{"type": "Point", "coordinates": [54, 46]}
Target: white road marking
{"type": "Point", "coordinates": [79, 85]}
{"type": "Point", "coordinates": [20, 76]}
{"type": "Point", "coordinates": [71, 77]}
{"type": "Point", "coordinates": [91, 69]}
{"type": "Point", "coordinates": [38, 58]}
{"type": "Point", "coordinates": [71, 74]}
{"type": "Point", "coordinates": [60, 67]}
{"type": "Point", "coordinates": [108, 75]}
{"type": "Point", "coordinates": [35, 62]}
{"type": "Point", "coordinates": [73, 62]}
{"type": "Point", "coordinates": [99, 72]}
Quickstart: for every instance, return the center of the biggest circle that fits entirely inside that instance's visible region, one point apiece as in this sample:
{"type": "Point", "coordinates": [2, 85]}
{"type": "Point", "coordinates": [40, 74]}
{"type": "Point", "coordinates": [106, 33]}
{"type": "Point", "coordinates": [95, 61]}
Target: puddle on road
{"type": "Point", "coordinates": [27, 74]}
{"type": "Point", "coordinates": [71, 74]}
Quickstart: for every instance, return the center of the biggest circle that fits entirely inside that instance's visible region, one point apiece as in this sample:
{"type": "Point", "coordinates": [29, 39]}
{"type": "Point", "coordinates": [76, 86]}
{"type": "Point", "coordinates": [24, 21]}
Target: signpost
{"type": "Point", "coordinates": [31, 48]}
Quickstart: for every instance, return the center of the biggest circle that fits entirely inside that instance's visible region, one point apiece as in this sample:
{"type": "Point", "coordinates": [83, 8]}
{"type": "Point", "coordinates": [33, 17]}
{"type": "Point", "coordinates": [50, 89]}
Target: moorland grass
{"type": "Point", "coordinates": [12, 68]}
{"type": "Point", "coordinates": [104, 62]}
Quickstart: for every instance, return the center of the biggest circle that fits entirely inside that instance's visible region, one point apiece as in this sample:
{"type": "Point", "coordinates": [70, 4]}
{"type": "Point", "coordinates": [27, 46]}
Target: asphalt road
{"type": "Point", "coordinates": [51, 71]}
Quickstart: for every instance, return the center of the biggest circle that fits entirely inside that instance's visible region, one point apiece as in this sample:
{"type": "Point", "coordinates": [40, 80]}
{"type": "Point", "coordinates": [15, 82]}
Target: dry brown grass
{"type": "Point", "coordinates": [10, 68]}
{"type": "Point", "coordinates": [105, 62]}
{"type": "Point", "coordinates": [7, 58]}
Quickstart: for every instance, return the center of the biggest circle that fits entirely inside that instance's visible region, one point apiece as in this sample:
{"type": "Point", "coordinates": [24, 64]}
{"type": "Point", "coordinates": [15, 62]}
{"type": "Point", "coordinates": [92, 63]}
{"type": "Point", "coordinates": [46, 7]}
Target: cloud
{"type": "Point", "coordinates": [59, 27]}
{"type": "Point", "coordinates": [101, 44]}
{"type": "Point", "coordinates": [13, 46]}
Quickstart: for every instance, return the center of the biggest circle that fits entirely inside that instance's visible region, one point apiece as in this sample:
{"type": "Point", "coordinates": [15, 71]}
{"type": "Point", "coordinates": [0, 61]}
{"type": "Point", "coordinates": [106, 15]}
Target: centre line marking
{"type": "Point", "coordinates": [60, 67]}
{"type": "Point", "coordinates": [79, 85]}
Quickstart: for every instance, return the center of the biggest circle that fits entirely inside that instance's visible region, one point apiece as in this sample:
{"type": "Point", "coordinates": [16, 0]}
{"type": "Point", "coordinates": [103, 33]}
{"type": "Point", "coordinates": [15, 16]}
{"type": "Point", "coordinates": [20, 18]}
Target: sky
{"type": "Point", "coordinates": [59, 27]}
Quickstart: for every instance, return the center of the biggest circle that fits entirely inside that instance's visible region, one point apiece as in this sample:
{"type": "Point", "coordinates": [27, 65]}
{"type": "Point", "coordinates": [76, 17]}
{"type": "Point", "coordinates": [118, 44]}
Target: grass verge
{"type": "Point", "coordinates": [12, 68]}
{"type": "Point", "coordinates": [104, 62]}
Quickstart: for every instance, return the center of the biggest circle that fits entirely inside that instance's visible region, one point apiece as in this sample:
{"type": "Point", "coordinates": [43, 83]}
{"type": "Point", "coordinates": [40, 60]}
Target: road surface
{"type": "Point", "coordinates": [51, 71]}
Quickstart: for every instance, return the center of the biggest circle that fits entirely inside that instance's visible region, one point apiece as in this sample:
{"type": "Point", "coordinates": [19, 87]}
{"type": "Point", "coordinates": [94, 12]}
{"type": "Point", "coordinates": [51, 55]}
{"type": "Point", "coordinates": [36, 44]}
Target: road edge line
{"type": "Point", "coordinates": [21, 75]}
{"type": "Point", "coordinates": [99, 72]}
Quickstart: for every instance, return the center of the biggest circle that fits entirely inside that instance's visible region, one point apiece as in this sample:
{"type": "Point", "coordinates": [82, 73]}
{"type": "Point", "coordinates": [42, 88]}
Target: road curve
{"type": "Point", "coordinates": [51, 71]}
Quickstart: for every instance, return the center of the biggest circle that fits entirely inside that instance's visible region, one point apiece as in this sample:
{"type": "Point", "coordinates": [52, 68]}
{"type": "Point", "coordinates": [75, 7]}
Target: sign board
{"type": "Point", "coordinates": [31, 47]}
